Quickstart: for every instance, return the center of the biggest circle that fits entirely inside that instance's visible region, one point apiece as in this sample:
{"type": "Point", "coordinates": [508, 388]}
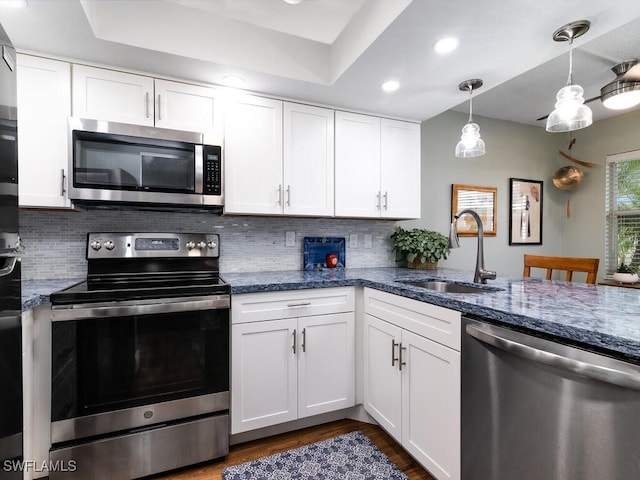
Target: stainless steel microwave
{"type": "Point", "coordinates": [115, 164]}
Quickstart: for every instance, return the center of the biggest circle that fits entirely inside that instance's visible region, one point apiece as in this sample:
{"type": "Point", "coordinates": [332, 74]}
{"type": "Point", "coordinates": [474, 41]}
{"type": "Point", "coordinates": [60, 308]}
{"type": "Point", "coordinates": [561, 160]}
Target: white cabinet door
{"type": "Point", "coordinates": [431, 405]}
{"type": "Point", "coordinates": [382, 376]}
{"type": "Point", "coordinates": [263, 374]}
{"type": "Point", "coordinates": [400, 169]}
{"type": "Point", "coordinates": [308, 160]}
{"type": "Point", "coordinates": [44, 105]}
{"type": "Point", "coordinates": [181, 106]}
{"type": "Point", "coordinates": [110, 95]}
{"type": "Point", "coordinates": [357, 156]}
{"type": "Point", "coordinates": [253, 156]}
{"type": "Point", "coordinates": [326, 363]}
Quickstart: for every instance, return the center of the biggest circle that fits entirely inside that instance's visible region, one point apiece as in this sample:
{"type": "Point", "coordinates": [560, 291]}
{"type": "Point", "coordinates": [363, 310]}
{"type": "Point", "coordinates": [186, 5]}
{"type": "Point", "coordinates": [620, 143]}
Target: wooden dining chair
{"type": "Point", "coordinates": [568, 264]}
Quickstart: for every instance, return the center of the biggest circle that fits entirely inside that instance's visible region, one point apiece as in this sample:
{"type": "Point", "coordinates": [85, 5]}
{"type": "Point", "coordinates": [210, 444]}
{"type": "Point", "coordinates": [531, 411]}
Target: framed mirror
{"type": "Point", "coordinates": [480, 199]}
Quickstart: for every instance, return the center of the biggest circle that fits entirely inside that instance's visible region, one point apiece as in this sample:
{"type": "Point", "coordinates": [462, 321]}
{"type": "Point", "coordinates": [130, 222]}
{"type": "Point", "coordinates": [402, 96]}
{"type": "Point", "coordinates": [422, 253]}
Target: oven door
{"type": "Point", "coordinates": [126, 365]}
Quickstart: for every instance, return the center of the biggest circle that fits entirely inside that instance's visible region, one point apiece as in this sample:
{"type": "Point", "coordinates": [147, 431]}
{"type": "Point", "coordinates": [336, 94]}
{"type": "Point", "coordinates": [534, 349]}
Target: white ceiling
{"type": "Point", "coordinates": [338, 52]}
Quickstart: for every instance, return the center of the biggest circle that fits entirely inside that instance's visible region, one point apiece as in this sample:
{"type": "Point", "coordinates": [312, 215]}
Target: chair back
{"type": "Point", "coordinates": [568, 264]}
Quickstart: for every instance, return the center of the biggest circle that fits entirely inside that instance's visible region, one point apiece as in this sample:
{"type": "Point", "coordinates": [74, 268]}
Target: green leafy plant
{"type": "Point", "coordinates": [623, 268]}
{"type": "Point", "coordinates": [428, 245]}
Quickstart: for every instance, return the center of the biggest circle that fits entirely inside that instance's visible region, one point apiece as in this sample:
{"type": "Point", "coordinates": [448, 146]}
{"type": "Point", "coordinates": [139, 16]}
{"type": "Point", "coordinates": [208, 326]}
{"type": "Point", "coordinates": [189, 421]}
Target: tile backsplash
{"type": "Point", "coordinates": [55, 240]}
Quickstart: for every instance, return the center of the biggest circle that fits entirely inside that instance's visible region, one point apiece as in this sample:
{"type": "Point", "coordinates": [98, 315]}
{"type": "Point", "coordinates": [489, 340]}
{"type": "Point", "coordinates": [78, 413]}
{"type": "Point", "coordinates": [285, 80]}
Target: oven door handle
{"type": "Point", "coordinates": [126, 309]}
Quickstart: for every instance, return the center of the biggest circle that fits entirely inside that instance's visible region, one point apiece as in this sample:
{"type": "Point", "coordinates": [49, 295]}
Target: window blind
{"type": "Point", "coordinates": [622, 236]}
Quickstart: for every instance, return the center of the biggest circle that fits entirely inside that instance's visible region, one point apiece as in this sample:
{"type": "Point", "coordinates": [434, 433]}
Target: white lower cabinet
{"type": "Point", "coordinates": [412, 383]}
{"type": "Point", "coordinates": [292, 356]}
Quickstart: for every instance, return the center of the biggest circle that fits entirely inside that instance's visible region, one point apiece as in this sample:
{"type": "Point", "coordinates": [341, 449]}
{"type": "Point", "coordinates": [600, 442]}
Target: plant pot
{"type": "Point", "coordinates": [625, 277]}
{"type": "Point", "coordinates": [418, 264]}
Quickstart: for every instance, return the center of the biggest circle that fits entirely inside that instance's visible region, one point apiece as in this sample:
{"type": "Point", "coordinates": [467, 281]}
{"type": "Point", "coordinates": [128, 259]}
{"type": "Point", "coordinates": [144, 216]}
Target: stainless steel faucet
{"type": "Point", "coordinates": [481, 275]}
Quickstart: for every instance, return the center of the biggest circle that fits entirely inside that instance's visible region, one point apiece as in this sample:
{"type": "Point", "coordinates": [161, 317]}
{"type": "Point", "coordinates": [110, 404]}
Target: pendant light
{"type": "Point", "coordinates": [624, 91]}
{"type": "Point", "coordinates": [470, 144]}
{"type": "Point", "coordinates": [570, 111]}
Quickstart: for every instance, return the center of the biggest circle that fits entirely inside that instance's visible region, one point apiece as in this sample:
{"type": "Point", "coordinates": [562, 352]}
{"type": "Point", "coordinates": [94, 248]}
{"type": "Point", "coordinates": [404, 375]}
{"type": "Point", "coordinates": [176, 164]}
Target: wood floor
{"type": "Point", "coordinates": [279, 443]}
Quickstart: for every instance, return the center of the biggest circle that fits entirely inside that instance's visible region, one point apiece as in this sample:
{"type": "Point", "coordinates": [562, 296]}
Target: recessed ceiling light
{"type": "Point", "coordinates": [233, 81]}
{"type": "Point", "coordinates": [390, 85]}
{"type": "Point", "coordinates": [446, 45]}
{"type": "Point", "coordinates": [294, 2]}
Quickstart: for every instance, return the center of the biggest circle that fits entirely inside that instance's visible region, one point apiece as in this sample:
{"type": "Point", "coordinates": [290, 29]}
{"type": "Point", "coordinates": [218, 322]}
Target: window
{"type": "Point", "coordinates": [623, 211]}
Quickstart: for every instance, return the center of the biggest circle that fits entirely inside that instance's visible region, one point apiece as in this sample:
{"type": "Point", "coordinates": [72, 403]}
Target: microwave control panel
{"type": "Point", "coordinates": [212, 170]}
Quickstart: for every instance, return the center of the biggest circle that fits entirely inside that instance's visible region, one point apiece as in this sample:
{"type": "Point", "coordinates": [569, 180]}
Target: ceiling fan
{"type": "Point", "coordinates": [624, 91]}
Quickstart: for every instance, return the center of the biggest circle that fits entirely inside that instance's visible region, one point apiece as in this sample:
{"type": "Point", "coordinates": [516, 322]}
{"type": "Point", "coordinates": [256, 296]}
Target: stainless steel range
{"type": "Point", "coordinates": [140, 358]}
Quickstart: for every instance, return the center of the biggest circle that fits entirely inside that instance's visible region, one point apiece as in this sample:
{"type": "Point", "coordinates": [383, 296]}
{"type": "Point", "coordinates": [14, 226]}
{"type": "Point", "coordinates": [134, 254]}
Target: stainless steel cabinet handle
{"type": "Point", "coordinates": [304, 340]}
{"type": "Point", "coordinates": [62, 179]}
{"type": "Point", "coordinates": [294, 341]}
{"type": "Point", "coordinates": [159, 107]}
{"type": "Point", "coordinates": [595, 372]}
{"type": "Point", "coordinates": [279, 196]}
{"type": "Point", "coordinates": [298, 304]}
{"type": "Point", "coordinates": [394, 359]}
{"type": "Point", "coordinates": [402, 362]}
{"type": "Point", "coordinates": [386, 200]}
{"type": "Point", "coordinates": [378, 200]}
{"type": "Point", "coordinates": [146, 104]}
{"type": "Point", "coordinates": [11, 265]}
{"type": "Point", "coordinates": [288, 195]}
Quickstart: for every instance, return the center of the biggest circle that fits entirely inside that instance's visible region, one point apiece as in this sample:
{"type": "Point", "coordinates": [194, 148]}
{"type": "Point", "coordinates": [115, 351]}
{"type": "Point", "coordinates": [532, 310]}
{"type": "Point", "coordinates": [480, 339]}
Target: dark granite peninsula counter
{"type": "Point", "coordinates": [603, 318]}
{"type": "Point", "coordinates": [36, 292]}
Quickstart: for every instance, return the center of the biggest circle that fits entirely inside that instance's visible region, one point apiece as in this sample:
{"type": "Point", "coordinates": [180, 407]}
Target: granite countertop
{"type": "Point", "coordinates": [36, 292]}
{"type": "Point", "coordinates": [603, 318]}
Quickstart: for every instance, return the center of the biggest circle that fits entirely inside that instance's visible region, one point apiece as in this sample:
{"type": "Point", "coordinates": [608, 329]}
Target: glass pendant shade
{"type": "Point", "coordinates": [570, 111]}
{"type": "Point", "coordinates": [470, 144]}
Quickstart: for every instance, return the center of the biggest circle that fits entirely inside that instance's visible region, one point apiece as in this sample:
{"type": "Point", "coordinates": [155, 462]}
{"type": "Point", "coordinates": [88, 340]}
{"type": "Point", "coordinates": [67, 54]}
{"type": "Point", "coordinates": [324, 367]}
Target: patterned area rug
{"type": "Point", "coordinates": [348, 457]}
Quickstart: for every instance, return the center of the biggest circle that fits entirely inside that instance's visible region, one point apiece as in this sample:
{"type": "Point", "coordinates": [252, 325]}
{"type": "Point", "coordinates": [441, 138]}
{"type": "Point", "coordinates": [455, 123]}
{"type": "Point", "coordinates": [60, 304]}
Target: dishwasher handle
{"type": "Point", "coordinates": [589, 370]}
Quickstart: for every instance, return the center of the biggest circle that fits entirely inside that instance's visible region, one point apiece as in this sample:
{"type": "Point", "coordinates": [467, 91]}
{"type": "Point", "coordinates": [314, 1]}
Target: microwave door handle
{"type": "Point", "coordinates": [199, 168]}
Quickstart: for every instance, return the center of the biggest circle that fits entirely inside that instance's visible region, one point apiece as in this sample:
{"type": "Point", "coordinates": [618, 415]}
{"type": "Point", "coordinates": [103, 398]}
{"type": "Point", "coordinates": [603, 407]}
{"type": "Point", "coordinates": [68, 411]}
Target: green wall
{"type": "Point", "coordinates": [529, 152]}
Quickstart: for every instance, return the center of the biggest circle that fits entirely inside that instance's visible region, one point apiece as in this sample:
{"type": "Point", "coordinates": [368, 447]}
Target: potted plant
{"type": "Point", "coordinates": [419, 248]}
{"type": "Point", "coordinates": [625, 274]}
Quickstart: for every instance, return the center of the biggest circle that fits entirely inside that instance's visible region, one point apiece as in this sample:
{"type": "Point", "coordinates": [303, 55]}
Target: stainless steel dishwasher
{"type": "Point", "coordinates": [533, 409]}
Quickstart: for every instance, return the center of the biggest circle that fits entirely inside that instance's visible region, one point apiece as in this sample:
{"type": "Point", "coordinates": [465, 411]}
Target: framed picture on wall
{"type": "Point", "coordinates": [525, 212]}
{"type": "Point", "coordinates": [480, 199]}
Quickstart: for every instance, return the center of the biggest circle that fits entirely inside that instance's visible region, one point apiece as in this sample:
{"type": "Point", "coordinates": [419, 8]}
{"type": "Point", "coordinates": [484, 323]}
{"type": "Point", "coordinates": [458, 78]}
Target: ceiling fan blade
{"type": "Point", "coordinates": [543, 118]}
{"type": "Point", "coordinates": [633, 74]}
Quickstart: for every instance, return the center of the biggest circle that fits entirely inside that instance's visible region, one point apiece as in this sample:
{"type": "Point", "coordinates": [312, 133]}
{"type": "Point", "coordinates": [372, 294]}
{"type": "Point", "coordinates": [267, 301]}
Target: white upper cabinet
{"type": "Point", "coordinates": [44, 104]}
{"type": "Point", "coordinates": [377, 167]}
{"type": "Point", "coordinates": [357, 165]}
{"type": "Point", "coordinates": [278, 158]}
{"type": "Point", "coordinates": [308, 160]}
{"type": "Point", "coordinates": [194, 108]}
{"type": "Point", "coordinates": [114, 96]}
{"type": "Point", "coordinates": [253, 156]}
{"type": "Point", "coordinates": [400, 169]}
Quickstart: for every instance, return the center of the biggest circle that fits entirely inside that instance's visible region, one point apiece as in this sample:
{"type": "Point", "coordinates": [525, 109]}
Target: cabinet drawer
{"type": "Point", "coordinates": [255, 307]}
{"type": "Point", "coordinates": [439, 324]}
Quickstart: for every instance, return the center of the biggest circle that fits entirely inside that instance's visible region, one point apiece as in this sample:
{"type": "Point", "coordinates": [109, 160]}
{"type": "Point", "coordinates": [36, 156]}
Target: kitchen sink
{"type": "Point", "coordinates": [451, 287]}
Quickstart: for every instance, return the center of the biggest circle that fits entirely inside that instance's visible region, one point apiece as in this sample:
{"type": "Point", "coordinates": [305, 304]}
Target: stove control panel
{"type": "Point", "coordinates": [141, 245]}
